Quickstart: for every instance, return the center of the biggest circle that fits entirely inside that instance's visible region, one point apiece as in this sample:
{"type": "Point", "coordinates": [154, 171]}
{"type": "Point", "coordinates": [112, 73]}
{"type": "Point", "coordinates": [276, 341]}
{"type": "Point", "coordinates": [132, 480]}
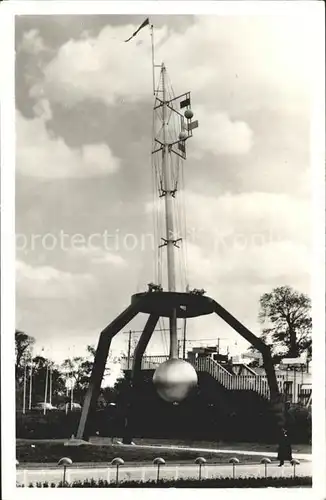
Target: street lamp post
{"type": "Point", "coordinates": [234, 461]}
{"type": "Point", "coordinates": [158, 461]}
{"type": "Point", "coordinates": [294, 462]}
{"type": "Point", "coordinates": [200, 461]}
{"type": "Point", "coordinates": [65, 461]}
{"type": "Point", "coordinates": [117, 462]}
{"type": "Point", "coordinates": [265, 461]}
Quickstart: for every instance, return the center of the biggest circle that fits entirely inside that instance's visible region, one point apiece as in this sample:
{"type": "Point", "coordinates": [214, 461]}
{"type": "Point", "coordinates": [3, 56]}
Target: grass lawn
{"type": "Point", "coordinates": [51, 452]}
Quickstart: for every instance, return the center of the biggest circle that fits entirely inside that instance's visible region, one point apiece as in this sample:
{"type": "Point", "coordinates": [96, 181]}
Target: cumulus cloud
{"type": "Point", "coordinates": [205, 56]}
{"type": "Point", "coordinates": [242, 245]}
{"type": "Point", "coordinates": [238, 278]}
{"type": "Point", "coordinates": [255, 216]}
{"type": "Point", "coordinates": [230, 81]}
{"type": "Point", "coordinates": [40, 155]}
{"type": "Point", "coordinates": [47, 282]}
{"type": "Point", "coordinates": [250, 84]}
{"type": "Point", "coordinates": [234, 218]}
{"type": "Point", "coordinates": [253, 238]}
{"type": "Point", "coordinates": [32, 43]}
{"type": "Point", "coordinates": [98, 256]}
{"type": "Point", "coordinates": [220, 135]}
{"type": "Point", "coordinates": [273, 262]}
{"type": "Point", "coordinates": [97, 68]}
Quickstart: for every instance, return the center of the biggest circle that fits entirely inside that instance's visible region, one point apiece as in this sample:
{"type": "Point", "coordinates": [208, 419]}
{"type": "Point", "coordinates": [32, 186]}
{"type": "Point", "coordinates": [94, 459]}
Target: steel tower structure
{"type": "Point", "coordinates": [171, 303]}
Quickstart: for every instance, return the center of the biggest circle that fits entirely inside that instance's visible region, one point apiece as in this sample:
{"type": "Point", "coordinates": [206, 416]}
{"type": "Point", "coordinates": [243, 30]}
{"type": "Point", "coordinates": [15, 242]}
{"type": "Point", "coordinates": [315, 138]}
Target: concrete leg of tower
{"type": "Point", "coordinates": [101, 355]}
{"type": "Point", "coordinates": [142, 344]}
{"type": "Point", "coordinates": [136, 371]}
{"type": "Point", "coordinates": [276, 399]}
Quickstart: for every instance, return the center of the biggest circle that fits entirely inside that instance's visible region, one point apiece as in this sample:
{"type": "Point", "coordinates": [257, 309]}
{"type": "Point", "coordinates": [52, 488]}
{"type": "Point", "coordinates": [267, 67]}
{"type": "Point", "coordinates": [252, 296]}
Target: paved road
{"type": "Point", "coordinates": [299, 456]}
{"type": "Point", "coordinates": [33, 473]}
{"type": "Point", "coordinates": [146, 473]}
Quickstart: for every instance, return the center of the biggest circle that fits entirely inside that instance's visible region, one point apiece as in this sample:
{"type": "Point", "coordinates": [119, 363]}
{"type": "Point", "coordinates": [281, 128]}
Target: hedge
{"type": "Point", "coordinates": [56, 425]}
{"type": "Point", "coordinates": [220, 482]}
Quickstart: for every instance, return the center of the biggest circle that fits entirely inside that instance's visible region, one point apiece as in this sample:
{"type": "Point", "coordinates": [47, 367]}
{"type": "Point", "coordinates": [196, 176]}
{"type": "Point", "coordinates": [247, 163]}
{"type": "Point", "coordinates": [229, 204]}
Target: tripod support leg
{"type": "Point", "coordinates": [276, 399]}
{"type": "Point", "coordinates": [136, 371]}
{"type": "Point", "coordinates": [101, 356]}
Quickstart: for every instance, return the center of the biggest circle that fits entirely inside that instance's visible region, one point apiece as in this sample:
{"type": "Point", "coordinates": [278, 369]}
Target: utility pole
{"type": "Point", "coordinates": [46, 388]}
{"type": "Point", "coordinates": [72, 396]}
{"type": "Point", "coordinates": [24, 390]}
{"type": "Point", "coordinates": [129, 348]}
{"type": "Point", "coordinates": [218, 346]}
{"type": "Point", "coordinates": [67, 394]}
{"type": "Point", "coordinates": [131, 332]}
{"type": "Point", "coordinates": [184, 338]}
{"type": "Point", "coordinates": [30, 384]}
{"type": "Point", "coordinates": [50, 396]}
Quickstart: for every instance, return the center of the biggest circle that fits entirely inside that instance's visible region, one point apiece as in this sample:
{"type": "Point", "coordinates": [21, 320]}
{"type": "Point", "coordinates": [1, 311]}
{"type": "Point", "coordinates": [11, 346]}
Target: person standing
{"type": "Point", "coordinates": [284, 448]}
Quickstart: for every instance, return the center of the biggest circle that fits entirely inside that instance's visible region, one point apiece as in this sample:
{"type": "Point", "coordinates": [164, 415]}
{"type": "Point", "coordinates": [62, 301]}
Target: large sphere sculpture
{"type": "Point", "coordinates": [174, 380]}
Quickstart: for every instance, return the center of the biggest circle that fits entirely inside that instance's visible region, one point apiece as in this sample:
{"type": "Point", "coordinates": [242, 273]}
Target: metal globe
{"type": "Point", "coordinates": [189, 114]}
{"type": "Point", "coordinates": [183, 135]}
{"type": "Point", "coordinates": [174, 380]}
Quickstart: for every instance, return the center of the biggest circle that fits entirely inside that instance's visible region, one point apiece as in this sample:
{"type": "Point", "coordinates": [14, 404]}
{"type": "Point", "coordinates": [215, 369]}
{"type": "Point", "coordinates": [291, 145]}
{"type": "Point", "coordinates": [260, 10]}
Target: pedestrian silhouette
{"type": "Point", "coordinates": [284, 448]}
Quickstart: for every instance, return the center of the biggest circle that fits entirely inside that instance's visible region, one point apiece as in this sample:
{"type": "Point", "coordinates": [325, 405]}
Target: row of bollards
{"type": "Point", "coordinates": [234, 461]}
{"type": "Point", "coordinates": [200, 461]}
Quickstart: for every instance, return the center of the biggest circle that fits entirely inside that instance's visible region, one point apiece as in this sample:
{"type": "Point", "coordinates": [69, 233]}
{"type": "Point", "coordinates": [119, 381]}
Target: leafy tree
{"type": "Point", "coordinates": [40, 367]}
{"type": "Point", "coordinates": [285, 315]}
{"type": "Point", "coordinates": [23, 353]}
{"type": "Point", "coordinates": [23, 349]}
{"type": "Point", "coordinates": [79, 369]}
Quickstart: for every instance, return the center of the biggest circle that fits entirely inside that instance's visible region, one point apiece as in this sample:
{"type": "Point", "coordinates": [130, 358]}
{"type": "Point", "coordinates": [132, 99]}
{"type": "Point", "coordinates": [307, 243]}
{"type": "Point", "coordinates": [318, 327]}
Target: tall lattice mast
{"type": "Point", "coordinates": [173, 126]}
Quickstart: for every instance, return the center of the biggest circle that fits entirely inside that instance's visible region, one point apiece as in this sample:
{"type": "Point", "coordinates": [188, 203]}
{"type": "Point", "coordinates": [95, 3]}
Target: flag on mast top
{"type": "Point", "coordinates": [145, 23]}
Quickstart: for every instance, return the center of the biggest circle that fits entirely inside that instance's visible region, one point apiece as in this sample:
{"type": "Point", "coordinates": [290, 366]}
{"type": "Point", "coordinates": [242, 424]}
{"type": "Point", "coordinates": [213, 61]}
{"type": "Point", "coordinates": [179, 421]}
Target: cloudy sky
{"type": "Point", "coordinates": [83, 167]}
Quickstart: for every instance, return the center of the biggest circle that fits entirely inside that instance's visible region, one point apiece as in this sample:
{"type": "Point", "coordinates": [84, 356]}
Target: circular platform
{"type": "Point", "coordinates": [187, 305]}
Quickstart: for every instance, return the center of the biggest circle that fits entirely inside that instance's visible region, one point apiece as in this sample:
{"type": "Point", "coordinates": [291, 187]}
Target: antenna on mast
{"type": "Point", "coordinates": [153, 57]}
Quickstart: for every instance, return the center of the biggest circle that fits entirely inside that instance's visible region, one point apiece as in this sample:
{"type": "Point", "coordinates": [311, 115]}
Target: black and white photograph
{"type": "Point", "coordinates": [164, 249]}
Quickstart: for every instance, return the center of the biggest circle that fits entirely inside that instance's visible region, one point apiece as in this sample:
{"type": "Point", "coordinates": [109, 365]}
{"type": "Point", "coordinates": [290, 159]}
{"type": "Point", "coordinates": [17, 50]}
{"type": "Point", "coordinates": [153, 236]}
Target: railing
{"type": "Point", "coordinates": [257, 383]}
{"type": "Point", "coordinates": [148, 362]}
{"type": "Point", "coordinates": [215, 370]}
